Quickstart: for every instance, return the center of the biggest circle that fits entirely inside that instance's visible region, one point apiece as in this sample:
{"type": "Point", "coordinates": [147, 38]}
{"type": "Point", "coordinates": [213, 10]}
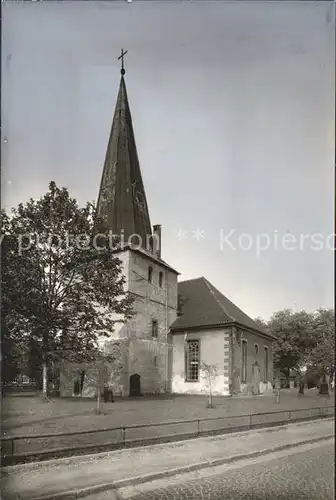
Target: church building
{"type": "Point", "coordinates": [176, 325]}
{"type": "Point", "coordinates": [211, 329]}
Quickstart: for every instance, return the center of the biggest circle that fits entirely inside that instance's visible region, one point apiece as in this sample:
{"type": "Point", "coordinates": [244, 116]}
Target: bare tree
{"type": "Point", "coordinates": [210, 373]}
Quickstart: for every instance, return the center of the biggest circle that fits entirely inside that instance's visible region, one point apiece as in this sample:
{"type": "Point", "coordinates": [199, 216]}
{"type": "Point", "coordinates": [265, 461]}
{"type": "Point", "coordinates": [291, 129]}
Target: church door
{"type": "Point", "coordinates": [256, 379]}
{"type": "Point", "coordinates": [82, 377]}
{"type": "Point", "coordinates": [135, 386]}
{"type": "Point", "coordinates": [77, 387]}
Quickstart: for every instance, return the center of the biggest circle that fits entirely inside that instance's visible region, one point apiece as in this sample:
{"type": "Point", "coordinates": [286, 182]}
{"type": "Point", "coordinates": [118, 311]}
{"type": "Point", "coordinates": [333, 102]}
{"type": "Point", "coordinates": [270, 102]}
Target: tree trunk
{"type": "Point", "coordinates": [98, 394]}
{"type": "Point", "coordinates": [45, 356]}
{"type": "Point", "coordinates": [98, 400]}
{"type": "Point", "coordinates": [331, 378]}
{"type": "Point", "coordinates": [210, 399]}
{"type": "Point", "coordinates": [45, 380]}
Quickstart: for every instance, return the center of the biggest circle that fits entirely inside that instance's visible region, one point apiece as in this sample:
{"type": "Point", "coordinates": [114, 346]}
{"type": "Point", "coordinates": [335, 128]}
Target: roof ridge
{"type": "Point", "coordinates": [234, 319]}
{"type": "Point", "coordinates": [191, 279]}
{"type": "Point", "coordinates": [210, 286]}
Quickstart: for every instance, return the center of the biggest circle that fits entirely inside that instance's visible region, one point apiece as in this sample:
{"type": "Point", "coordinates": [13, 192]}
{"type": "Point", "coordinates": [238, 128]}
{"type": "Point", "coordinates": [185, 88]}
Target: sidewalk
{"type": "Point", "coordinates": [121, 468]}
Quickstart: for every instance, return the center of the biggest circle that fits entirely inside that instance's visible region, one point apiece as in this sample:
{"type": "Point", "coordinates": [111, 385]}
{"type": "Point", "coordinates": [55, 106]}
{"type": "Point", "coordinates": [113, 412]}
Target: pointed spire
{"type": "Point", "coordinates": [122, 195]}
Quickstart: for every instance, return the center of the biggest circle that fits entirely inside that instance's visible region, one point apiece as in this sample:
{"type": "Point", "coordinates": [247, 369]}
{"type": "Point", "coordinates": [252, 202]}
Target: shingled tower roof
{"type": "Point", "coordinates": [122, 195]}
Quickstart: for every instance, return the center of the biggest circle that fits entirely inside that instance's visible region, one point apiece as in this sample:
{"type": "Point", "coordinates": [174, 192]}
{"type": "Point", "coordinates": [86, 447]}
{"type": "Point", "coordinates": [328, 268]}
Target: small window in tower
{"type": "Point", "coordinates": [155, 360]}
{"type": "Point", "coordinates": [155, 329]}
{"type": "Point", "coordinates": [161, 279]}
{"type": "Point", "coordinates": [256, 348]}
{"type": "Point", "coordinates": [150, 274]}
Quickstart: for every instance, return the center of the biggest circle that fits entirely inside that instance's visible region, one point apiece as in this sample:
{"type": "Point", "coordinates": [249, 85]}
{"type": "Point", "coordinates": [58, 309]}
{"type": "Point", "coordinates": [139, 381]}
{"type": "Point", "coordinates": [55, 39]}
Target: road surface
{"type": "Point", "coordinates": [302, 473]}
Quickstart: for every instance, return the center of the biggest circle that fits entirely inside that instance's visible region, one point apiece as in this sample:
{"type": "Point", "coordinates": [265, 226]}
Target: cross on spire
{"type": "Point", "coordinates": [122, 71]}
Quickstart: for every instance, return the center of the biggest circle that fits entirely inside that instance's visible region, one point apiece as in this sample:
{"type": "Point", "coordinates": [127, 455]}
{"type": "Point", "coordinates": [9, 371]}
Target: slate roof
{"type": "Point", "coordinates": [122, 195]}
{"type": "Point", "coordinates": [203, 305]}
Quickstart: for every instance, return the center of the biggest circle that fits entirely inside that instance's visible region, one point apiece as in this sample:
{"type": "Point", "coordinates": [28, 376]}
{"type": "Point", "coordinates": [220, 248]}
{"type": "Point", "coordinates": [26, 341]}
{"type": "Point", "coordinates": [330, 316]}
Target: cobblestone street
{"type": "Point", "coordinates": [303, 475]}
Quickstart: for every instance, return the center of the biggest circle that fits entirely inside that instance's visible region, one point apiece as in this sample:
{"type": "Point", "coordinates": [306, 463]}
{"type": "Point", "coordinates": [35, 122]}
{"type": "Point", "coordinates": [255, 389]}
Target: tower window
{"type": "Point", "coordinates": [155, 328]}
{"type": "Point", "coordinates": [150, 274]}
{"type": "Point", "coordinates": [160, 279]}
{"type": "Point", "coordinates": [256, 348]}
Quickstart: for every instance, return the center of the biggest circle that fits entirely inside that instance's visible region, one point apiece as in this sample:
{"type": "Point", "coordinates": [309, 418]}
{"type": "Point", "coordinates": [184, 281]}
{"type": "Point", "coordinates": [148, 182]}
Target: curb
{"type": "Point", "coordinates": [115, 485]}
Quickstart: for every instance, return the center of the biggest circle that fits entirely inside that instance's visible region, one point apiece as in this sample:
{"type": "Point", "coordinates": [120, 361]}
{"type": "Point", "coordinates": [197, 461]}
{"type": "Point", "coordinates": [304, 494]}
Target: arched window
{"type": "Point", "coordinates": [160, 279]}
{"type": "Point", "coordinates": [150, 274]}
{"type": "Point", "coordinates": [192, 360]}
{"type": "Point", "coordinates": [244, 361]}
{"type": "Point", "coordinates": [266, 364]}
{"type": "Point", "coordinates": [155, 328]}
{"type": "Point", "coordinates": [256, 349]}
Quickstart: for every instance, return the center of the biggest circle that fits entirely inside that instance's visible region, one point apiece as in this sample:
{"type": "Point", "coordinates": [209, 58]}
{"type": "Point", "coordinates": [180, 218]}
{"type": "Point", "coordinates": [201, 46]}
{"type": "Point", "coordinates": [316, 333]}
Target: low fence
{"type": "Point", "coordinates": [20, 449]}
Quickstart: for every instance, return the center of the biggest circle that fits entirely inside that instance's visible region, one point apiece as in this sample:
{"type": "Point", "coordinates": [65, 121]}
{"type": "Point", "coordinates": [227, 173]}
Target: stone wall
{"type": "Point", "coordinates": [138, 280]}
{"type": "Point", "coordinates": [111, 373]}
{"type": "Point", "coordinates": [149, 355]}
{"type": "Point", "coordinates": [149, 359]}
{"type": "Point", "coordinates": [146, 355]}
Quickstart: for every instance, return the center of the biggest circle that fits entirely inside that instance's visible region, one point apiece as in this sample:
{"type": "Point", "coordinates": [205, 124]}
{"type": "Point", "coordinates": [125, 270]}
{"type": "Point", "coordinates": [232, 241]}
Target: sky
{"type": "Point", "coordinates": [233, 112]}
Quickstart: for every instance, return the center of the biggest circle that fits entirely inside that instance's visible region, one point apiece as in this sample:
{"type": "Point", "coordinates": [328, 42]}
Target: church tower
{"type": "Point", "coordinates": [150, 280]}
{"type": "Point", "coordinates": [122, 197]}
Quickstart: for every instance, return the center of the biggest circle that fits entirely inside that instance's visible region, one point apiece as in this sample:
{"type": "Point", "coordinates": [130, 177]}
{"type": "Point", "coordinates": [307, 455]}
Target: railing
{"type": "Point", "coordinates": [193, 428]}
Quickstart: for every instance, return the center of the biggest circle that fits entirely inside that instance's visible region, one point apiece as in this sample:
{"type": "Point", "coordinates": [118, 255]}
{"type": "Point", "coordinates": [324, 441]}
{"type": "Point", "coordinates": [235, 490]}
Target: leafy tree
{"type": "Point", "coordinates": [261, 323]}
{"type": "Point", "coordinates": [302, 339]}
{"type": "Point", "coordinates": [293, 332]}
{"type": "Point", "coordinates": [64, 287]}
{"type": "Point", "coordinates": [13, 323]}
{"type": "Point", "coordinates": [321, 356]}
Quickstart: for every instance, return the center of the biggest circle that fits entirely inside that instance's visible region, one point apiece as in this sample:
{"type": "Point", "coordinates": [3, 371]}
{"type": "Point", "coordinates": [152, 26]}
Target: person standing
{"type": "Point", "coordinates": [110, 393]}
{"type": "Point", "coordinates": [301, 386]}
{"type": "Point", "coordinates": [277, 387]}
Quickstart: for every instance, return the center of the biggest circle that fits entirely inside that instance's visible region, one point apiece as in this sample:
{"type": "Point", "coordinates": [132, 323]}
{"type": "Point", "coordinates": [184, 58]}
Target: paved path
{"type": "Point", "coordinates": [48, 478]}
{"type": "Point", "coordinates": [303, 473]}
